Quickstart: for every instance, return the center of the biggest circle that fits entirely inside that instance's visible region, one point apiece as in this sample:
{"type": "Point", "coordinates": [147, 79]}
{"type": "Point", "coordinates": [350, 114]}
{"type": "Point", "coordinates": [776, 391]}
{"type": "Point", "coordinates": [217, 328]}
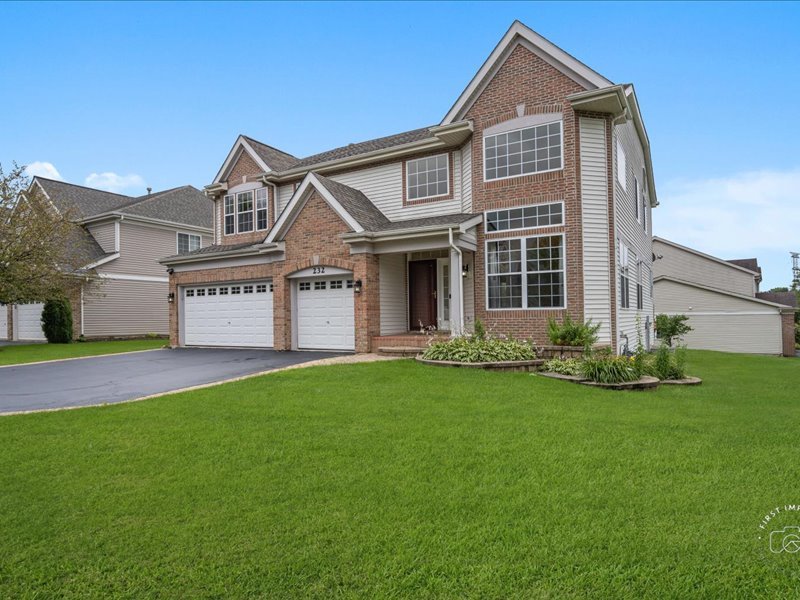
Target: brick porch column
{"type": "Point", "coordinates": [368, 302]}
{"type": "Point", "coordinates": [282, 312]}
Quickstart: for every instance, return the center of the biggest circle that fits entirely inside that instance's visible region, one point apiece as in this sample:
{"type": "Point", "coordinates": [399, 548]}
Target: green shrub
{"type": "Point", "coordinates": [797, 333]}
{"type": "Point", "coordinates": [668, 363]}
{"type": "Point", "coordinates": [479, 331]}
{"type": "Point", "coordinates": [57, 321]}
{"type": "Point", "coordinates": [472, 350]}
{"type": "Point", "coordinates": [606, 368]}
{"type": "Point", "coordinates": [572, 333]}
{"type": "Point", "coordinates": [669, 327]}
{"type": "Point", "coordinates": [564, 366]}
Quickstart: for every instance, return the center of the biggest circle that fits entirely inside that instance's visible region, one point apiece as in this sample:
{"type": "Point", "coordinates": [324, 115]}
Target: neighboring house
{"type": "Point", "coordinates": [124, 291]}
{"type": "Point", "coordinates": [530, 200]}
{"type": "Point", "coordinates": [722, 301]}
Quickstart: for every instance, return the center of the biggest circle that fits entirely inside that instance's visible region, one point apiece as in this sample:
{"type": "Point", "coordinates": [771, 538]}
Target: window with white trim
{"type": "Point", "coordinates": [621, 166]}
{"type": "Point", "coordinates": [522, 152]}
{"type": "Point", "coordinates": [525, 217]}
{"type": "Point", "coordinates": [244, 212]}
{"type": "Point", "coordinates": [188, 242]}
{"type": "Point", "coordinates": [626, 257]}
{"type": "Point", "coordinates": [639, 289]}
{"type": "Point", "coordinates": [535, 279]}
{"type": "Point", "coordinates": [644, 200]}
{"type": "Point", "coordinates": [636, 198]}
{"type": "Point", "coordinates": [261, 209]}
{"type": "Point", "coordinates": [428, 177]}
{"type": "Point", "coordinates": [230, 215]}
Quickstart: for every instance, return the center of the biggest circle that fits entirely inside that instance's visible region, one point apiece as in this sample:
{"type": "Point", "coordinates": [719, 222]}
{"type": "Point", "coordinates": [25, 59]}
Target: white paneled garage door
{"type": "Point", "coordinates": [237, 314]}
{"type": "Point", "coordinates": [3, 322]}
{"type": "Point", "coordinates": [325, 314]}
{"type": "Point", "coordinates": [28, 322]}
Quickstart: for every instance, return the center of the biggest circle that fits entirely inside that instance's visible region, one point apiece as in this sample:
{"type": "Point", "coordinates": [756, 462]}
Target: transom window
{"type": "Point", "coordinates": [428, 177]}
{"type": "Point", "coordinates": [526, 273]}
{"type": "Point", "coordinates": [527, 217]}
{"type": "Point", "coordinates": [188, 242]}
{"type": "Point", "coordinates": [261, 208]}
{"type": "Point", "coordinates": [522, 152]}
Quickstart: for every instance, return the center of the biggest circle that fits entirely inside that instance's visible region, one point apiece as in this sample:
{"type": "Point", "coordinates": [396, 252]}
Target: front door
{"type": "Point", "coordinates": [422, 294]}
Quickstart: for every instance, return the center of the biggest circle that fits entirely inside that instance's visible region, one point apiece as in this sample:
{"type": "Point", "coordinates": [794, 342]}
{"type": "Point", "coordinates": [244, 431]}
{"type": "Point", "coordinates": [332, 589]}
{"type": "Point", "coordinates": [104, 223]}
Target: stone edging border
{"type": "Point", "coordinates": [510, 365]}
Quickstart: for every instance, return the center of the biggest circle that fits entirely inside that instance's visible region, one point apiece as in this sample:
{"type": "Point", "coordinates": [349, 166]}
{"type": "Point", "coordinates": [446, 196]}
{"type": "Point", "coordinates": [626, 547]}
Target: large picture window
{"type": "Point", "coordinates": [525, 217]}
{"type": "Point", "coordinates": [526, 273]}
{"type": "Point", "coordinates": [244, 209]}
{"type": "Point", "coordinates": [523, 152]}
{"type": "Point", "coordinates": [261, 208]}
{"type": "Point", "coordinates": [427, 177]}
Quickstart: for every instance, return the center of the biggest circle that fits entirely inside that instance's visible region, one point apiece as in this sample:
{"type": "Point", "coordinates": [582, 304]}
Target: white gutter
{"type": "Point", "coordinates": [460, 281]}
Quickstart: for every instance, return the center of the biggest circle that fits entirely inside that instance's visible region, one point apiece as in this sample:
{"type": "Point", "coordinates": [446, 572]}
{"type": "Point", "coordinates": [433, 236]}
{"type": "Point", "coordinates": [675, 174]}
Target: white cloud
{"type": "Point", "coordinates": [43, 169]}
{"type": "Point", "coordinates": [735, 216]}
{"type": "Point", "coordinates": [111, 182]}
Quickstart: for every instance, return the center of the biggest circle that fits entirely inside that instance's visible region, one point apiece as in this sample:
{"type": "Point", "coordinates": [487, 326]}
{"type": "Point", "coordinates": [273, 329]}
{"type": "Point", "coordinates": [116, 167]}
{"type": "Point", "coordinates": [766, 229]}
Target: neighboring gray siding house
{"type": "Point", "coordinates": [126, 293]}
{"type": "Point", "coordinates": [721, 300]}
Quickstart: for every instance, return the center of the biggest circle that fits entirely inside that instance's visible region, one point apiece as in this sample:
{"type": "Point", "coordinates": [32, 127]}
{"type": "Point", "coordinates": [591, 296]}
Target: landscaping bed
{"type": "Point", "coordinates": [509, 365]}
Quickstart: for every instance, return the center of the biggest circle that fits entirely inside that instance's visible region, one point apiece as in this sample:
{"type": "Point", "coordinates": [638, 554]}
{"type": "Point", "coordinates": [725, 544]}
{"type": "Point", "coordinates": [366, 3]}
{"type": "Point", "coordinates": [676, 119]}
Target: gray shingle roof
{"type": "Point", "coordinates": [211, 250]}
{"type": "Point", "coordinates": [277, 160]}
{"type": "Point", "coordinates": [355, 203]}
{"type": "Point", "coordinates": [785, 298]}
{"type": "Point", "coordinates": [751, 264]}
{"type": "Point", "coordinates": [84, 200]}
{"type": "Point", "coordinates": [451, 220]}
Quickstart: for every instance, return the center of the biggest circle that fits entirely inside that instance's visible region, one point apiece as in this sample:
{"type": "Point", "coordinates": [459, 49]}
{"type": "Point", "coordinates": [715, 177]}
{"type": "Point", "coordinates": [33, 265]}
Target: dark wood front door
{"type": "Point", "coordinates": [422, 294]}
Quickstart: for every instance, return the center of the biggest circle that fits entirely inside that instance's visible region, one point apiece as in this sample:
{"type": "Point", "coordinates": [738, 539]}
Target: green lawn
{"type": "Point", "coordinates": [395, 480]}
{"type": "Point", "coordinates": [15, 355]}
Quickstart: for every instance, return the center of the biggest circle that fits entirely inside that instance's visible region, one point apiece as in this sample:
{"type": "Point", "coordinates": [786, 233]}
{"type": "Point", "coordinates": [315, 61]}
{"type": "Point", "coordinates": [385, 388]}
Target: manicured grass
{"type": "Point", "coordinates": [392, 480]}
{"type": "Point", "coordinates": [26, 353]}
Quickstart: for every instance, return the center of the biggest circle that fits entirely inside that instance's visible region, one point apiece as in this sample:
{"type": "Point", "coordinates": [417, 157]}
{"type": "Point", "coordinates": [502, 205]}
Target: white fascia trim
{"type": "Point", "coordinates": [292, 209]}
{"type": "Point", "coordinates": [124, 277]}
{"type": "Point", "coordinates": [722, 292]}
{"type": "Point", "coordinates": [254, 250]}
{"type": "Point", "coordinates": [570, 66]}
{"type": "Point", "coordinates": [720, 261]}
{"type": "Point", "coordinates": [147, 220]}
{"type": "Point", "coordinates": [102, 261]}
{"type": "Point", "coordinates": [239, 145]}
{"type": "Point", "coordinates": [116, 236]}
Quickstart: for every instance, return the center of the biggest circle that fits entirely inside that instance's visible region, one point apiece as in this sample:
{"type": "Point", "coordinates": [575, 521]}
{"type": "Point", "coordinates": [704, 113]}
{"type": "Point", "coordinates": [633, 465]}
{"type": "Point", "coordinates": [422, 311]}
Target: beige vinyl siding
{"type": "Point", "coordinates": [114, 307]}
{"type": "Point", "coordinates": [630, 231]}
{"type": "Point", "coordinates": [466, 177]}
{"type": "Point", "coordinates": [218, 220]}
{"type": "Point", "coordinates": [720, 321]}
{"type": "Point", "coordinates": [105, 234]}
{"type": "Point", "coordinates": [285, 193]}
{"type": "Point", "coordinates": [393, 294]}
{"type": "Point", "coordinates": [4, 321]}
{"type": "Point", "coordinates": [594, 207]}
{"type": "Point", "coordinates": [142, 246]}
{"type": "Point", "coordinates": [688, 266]}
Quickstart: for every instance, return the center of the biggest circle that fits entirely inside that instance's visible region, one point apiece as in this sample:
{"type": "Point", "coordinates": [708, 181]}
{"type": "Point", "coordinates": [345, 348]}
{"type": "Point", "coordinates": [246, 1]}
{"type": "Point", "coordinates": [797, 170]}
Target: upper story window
{"type": "Point", "coordinates": [644, 200]}
{"type": "Point", "coordinates": [636, 192]}
{"type": "Point", "coordinates": [525, 217]}
{"type": "Point", "coordinates": [261, 209]}
{"type": "Point", "coordinates": [188, 242]}
{"type": "Point", "coordinates": [621, 166]}
{"type": "Point", "coordinates": [428, 177]}
{"type": "Point", "coordinates": [244, 212]}
{"type": "Point", "coordinates": [522, 152]}
{"type": "Point", "coordinates": [230, 215]}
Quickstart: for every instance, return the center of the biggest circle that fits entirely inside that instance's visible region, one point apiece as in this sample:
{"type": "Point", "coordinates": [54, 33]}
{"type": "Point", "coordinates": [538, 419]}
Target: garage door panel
{"type": "Point", "coordinates": [325, 314]}
{"type": "Point", "coordinates": [28, 322]}
{"type": "Point", "coordinates": [3, 322]}
{"type": "Point", "coordinates": [238, 315]}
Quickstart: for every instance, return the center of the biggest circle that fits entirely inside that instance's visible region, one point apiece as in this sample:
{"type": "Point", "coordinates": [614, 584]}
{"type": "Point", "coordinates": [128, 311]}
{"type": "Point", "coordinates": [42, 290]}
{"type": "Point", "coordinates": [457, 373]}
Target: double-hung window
{"type": "Point", "coordinates": [626, 257]}
{"type": "Point", "coordinates": [244, 210]}
{"type": "Point", "coordinates": [636, 198]}
{"type": "Point", "coordinates": [261, 208]}
{"type": "Point", "coordinates": [639, 289]}
{"type": "Point", "coordinates": [230, 215]}
{"type": "Point", "coordinates": [188, 242]}
{"type": "Point", "coordinates": [428, 177]}
{"type": "Point", "coordinates": [522, 152]}
{"type": "Point", "coordinates": [526, 272]}
{"type": "Point", "coordinates": [644, 200]}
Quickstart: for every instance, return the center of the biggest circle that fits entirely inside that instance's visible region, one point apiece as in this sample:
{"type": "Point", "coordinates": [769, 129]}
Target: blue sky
{"type": "Point", "coordinates": [125, 96]}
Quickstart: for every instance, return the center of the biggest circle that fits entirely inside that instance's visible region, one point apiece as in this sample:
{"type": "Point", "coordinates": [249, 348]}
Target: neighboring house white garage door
{"type": "Point", "coordinates": [751, 333]}
{"type": "Point", "coordinates": [3, 322]}
{"type": "Point", "coordinates": [238, 314]}
{"type": "Point", "coordinates": [325, 314]}
{"type": "Point", "coordinates": [28, 322]}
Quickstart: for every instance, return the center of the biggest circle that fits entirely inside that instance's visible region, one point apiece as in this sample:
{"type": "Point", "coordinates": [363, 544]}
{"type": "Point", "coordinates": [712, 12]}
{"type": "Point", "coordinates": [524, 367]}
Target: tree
{"type": "Point", "coordinates": [669, 327]}
{"type": "Point", "coordinates": [41, 246]}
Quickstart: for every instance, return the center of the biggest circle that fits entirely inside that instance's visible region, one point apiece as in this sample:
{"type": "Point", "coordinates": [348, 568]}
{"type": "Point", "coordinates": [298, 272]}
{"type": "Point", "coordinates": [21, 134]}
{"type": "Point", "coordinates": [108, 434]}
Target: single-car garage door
{"type": "Point", "coordinates": [28, 322]}
{"type": "Point", "coordinates": [237, 314]}
{"type": "Point", "coordinates": [325, 314]}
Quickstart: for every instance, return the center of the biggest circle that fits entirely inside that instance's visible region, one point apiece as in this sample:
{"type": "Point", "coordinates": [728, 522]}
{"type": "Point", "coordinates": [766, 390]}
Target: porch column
{"type": "Point", "coordinates": [456, 297]}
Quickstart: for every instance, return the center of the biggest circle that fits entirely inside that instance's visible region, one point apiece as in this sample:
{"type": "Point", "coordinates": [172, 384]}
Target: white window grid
{"type": "Point", "coordinates": [188, 242]}
{"type": "Point", "coordinates": [261, 209]}
{"type": "Point", "coordinates": [320, 285]}
{"type": "Point", "coordinates": [523, 152]}
{"type": "Point", "coordinates": [230, 215]}
{"type": "Point", "coordinates": [428, 177]}
{"type": "Point", "coordinates": [305, 286]}
{"type": "Point", "coordinates": [525, 217]}
{"type": "Point", "coordinates": [244, 212]}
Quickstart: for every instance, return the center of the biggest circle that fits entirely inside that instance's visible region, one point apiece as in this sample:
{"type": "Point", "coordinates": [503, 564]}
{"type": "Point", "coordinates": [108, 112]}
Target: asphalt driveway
{"type": "Point", "coordinates": [119, 377]}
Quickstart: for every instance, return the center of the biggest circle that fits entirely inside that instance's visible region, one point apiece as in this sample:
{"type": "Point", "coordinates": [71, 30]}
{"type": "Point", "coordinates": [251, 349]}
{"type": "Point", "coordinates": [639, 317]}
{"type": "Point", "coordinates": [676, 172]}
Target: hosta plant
{"type": "Point", "coordinates": [472, 350]}
{"type": "Point", "coordinates": [566, 366]}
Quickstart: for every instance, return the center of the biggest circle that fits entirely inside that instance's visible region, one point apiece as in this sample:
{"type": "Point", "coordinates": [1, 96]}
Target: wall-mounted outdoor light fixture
{"type": "Point", "coordinates": [171, 297]}
{"type": "Point", "coordinates": [465, 270]}
{"type": "Point", "coordinates": [357, 286]}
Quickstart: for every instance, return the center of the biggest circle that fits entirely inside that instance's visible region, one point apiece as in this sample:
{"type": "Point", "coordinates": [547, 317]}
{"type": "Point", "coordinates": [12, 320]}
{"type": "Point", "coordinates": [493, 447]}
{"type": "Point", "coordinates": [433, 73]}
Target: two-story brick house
{"type": "Point", "coordinates": [531, 199]}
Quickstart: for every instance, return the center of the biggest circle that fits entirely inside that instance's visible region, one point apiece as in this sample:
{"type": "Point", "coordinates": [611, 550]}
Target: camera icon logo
{"type": "Point", "coordinates": [785, 540]}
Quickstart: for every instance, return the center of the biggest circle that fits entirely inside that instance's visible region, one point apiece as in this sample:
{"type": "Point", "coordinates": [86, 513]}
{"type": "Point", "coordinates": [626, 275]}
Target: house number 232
{"type": "Point", "coordinates": [317, 270]}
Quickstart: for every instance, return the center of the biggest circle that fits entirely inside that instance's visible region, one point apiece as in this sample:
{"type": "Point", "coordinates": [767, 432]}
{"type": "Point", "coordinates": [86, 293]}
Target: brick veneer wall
{"type": "Point", "coordinates": [313, 240]}
{"type": "Point", "coordinates": [787, 326]}
{"type": "Point", "coordinates": [526, 79]}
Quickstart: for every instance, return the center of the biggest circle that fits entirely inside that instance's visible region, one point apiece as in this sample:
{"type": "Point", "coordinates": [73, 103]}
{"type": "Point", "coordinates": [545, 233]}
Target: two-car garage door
{"type": "Point", "coordinates": [241, 314]}
{"type": "Point", "coordinates": [228, 315]}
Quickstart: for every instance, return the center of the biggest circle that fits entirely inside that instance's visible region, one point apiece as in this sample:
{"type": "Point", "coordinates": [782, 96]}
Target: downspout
{"type": "Point", "coordinates": [274, 199]}
{"type": "Point", "coordinates": [460, 281]}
